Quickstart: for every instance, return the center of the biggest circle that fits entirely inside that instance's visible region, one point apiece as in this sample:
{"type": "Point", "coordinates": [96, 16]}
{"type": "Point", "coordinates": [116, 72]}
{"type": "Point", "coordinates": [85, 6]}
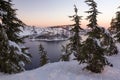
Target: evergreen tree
{"type": "Point", "coordinates": [94, 56]}
{"type": "Point", "coordinates": [13, 56]}
{"type": "Point", "coordinates": [75, 39]}
{"type": "Point", "coordinates": [43, 56]}
{"type": "Point", "coordinates": [11, 21]}
{"type": "Point", "coordinates": [66, 53]}
{"type": "Point", "coordinates": [112, 27]}
{"type": "Point", "coordinates": [108, 42]}
{"type": "Point", "coordinates": [3, 48]}
{"type": "Point", "coordinates": [115, 26]}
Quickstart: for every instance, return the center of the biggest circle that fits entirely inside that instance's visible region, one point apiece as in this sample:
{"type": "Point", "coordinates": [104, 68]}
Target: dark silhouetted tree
{"type": "Point", "coordinates": [12, 56]}
{"type": "Point", "coordinates": [92, 51]}
{"type": "Point", "coordinates": [43, 56]}
{"type": "Point", "coordinates": [75, 39]}
{"type": "Point", "coordinates": [115, 26]}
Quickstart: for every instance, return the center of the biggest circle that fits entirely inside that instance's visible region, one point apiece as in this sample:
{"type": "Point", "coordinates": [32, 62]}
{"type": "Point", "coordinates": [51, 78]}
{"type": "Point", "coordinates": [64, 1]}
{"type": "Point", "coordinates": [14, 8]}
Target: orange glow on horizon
{"type": "Point", "coordinates": [55, 22]}
{"type": "Point", "coordinates": [49, 24]}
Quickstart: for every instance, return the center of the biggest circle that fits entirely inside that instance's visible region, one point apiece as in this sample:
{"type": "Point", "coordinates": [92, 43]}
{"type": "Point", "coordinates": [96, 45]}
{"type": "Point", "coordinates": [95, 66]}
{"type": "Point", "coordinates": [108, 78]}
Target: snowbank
{"type": "Point", "coordinates": [65, 71]}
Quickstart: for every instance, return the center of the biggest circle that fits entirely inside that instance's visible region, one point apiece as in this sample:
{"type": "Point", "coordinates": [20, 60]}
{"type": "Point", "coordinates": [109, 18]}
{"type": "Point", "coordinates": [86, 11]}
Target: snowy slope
{"type": "Point", "coordinates": [68, 71]}
{"type": "Point", "coordinates": [28, 30]}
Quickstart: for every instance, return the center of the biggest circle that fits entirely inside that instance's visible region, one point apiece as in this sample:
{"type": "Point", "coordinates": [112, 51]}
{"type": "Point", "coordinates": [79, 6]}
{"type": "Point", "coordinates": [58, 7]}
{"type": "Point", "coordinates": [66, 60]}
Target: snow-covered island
{"type": "Point", "coordinates": [59, 33]}
{"type": "Point", "coordinates": [46, 34]}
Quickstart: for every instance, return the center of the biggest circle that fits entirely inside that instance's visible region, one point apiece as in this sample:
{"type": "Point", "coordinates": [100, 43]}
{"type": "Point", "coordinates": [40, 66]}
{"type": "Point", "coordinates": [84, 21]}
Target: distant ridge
{"type": "Point", "coordinates": [59, 26]}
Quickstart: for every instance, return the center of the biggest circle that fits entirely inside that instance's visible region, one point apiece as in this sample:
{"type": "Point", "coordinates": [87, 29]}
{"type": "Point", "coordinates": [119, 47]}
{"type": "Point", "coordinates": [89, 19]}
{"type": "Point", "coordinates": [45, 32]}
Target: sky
{"type": "Point", "coordinates": [44, 13]}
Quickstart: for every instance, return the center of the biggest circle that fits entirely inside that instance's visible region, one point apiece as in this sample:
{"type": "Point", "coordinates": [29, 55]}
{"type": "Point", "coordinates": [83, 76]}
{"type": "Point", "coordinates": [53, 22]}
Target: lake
{"type": "Point", "coordinates": [53, 49]}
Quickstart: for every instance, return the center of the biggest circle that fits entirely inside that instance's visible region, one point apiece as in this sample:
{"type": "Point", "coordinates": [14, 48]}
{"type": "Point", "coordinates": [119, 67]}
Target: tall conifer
{"type": "Point", "coordinates": [115, 26]}
{"type": "Point", "coordinates": [75, 39]}
{"type": "Point", "coordinates": [43, 56]}
{"type": "Point", "coordinates": [12, 56]}
{"type": "Point", "coordinates": [92, 50]}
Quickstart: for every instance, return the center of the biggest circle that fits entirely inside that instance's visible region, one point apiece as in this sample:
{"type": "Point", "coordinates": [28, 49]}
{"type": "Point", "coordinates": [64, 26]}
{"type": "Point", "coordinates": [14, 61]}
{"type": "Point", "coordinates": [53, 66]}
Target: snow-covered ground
{"type": "Point", "coordinates": [68, 71]}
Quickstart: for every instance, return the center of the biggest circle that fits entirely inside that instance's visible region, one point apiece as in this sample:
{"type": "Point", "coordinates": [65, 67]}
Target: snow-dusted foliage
{"type": "Point", "coordinates": [75, 40]}
{"type": "Point", "coordinates": [12, 56]}
{"type": "Point", "coordinates": [108, 42]}
{"type": "Point", "coordinates": [96, 43]}
{"type": "Point", "coordinates": [66, 52]}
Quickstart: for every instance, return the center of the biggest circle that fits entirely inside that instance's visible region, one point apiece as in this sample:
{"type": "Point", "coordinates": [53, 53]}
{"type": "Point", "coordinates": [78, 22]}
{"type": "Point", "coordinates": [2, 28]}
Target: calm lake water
{"type": "Point", "coordinates": [53, 49]}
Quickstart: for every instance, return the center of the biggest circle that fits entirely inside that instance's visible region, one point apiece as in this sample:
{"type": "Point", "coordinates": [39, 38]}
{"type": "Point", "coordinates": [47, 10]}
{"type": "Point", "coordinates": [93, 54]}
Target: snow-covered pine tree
{"type": "Point", "coordinates": [13, 57]}
{"type": "Point", "coordinates": [92, 51]}
{"type": "Point", "coordinates": [108, 42]}
{"type": "Point", "coordinates": [43, 56]}
{"type": "Point", "coordinates": [115, 26]}
{"type": "Point", "coordinates": [11, 21]}
{"type": "Point", "coordinates": [75, 39]}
